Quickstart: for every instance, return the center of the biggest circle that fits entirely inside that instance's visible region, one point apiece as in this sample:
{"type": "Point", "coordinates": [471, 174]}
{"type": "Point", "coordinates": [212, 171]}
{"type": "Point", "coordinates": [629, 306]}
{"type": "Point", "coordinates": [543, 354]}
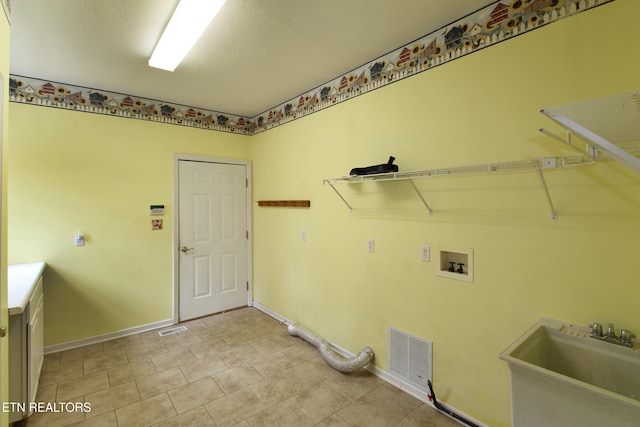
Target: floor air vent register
{"type": "Point", "coordinates": [410, 358]}
{"type": "Point", "coordinates": [172, 331]}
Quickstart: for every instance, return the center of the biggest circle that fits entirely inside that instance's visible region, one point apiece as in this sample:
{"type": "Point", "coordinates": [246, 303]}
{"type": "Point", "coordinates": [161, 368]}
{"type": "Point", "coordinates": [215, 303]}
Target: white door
{"type": "Point", "coordinates": [213, 237]}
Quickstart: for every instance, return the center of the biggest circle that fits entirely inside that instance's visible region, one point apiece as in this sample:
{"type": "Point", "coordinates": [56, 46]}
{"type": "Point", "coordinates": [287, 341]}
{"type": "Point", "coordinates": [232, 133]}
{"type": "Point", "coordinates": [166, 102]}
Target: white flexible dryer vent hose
{"type": "Point", "coordinates": [336, 361]}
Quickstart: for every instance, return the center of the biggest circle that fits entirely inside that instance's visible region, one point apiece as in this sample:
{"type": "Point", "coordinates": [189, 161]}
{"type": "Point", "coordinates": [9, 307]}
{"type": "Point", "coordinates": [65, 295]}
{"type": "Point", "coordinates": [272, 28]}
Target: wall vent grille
{"type": "Point", "coordinates": [410, 358]}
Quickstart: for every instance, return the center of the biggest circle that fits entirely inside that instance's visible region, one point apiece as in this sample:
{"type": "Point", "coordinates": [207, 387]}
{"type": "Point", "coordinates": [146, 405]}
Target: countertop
{"type": "Point", "coordinates": [22, 280]}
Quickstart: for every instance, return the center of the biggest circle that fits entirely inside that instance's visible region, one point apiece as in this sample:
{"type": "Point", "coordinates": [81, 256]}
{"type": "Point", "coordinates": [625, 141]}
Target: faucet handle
{"type": "Point", "coordinates": [625, 336]}
{"type": "Point", "coordinates": [596, 329]}
{"type": "Point", "coordinates": [610, 331]}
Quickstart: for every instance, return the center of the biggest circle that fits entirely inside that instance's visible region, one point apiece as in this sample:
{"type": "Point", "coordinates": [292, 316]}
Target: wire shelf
{"type": "Point", "coordinates": [476, 169]}
{"type": "Point", "coordinates": [616, 118]}
{"type": "Point", "coordinates": [537, 165]}
{"type": "Point", "coordinates": [610, 125]}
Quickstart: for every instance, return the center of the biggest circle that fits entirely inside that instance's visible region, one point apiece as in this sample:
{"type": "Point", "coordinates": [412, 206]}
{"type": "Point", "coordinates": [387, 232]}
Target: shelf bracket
{"type": "Point", "coordinates": [424, 202]}
{"type": "Point", "coordinates": [339, 195]}
{"type": "Point", "coordinates": [554, 216]}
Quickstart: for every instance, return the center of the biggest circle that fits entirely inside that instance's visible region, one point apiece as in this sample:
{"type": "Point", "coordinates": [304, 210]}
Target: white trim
{"type": "Point", "coordinates": [108, 336]}
{"type": "Point", "coordinates": [379, 372]}
{"type": "Point", "coordinates": [176, 224]}
{"type": "Point", "coordinates": [271, 313]}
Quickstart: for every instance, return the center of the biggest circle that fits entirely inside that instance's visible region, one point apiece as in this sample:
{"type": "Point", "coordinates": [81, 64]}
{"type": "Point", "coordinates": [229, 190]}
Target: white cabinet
{"type": "Point", "coordinates": [35, 339]}
{"type": "Point", "coordinates": [26, 335]}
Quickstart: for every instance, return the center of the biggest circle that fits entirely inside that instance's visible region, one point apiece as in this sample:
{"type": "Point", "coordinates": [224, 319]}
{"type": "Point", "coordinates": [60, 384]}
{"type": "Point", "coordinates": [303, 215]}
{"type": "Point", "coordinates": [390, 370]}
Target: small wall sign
{"type": "Point", "coordinates": [156, 210]}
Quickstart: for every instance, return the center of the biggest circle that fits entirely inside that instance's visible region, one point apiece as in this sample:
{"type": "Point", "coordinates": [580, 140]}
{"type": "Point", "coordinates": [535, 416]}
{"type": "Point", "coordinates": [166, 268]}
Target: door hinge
{"type": "Point", "coordinates": [247, 234]}
{"type": "Point", "coordinates": [246, 182]}
{"type": "Point", "coordinates": [247, 285]}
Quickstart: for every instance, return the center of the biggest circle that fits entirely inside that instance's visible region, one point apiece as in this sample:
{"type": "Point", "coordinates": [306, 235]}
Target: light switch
{"type": "Point", "coordinates": [79, 238]}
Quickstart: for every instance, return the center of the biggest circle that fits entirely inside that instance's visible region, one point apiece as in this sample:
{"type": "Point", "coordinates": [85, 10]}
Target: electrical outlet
{"type": "Point", "coordinates": [425, 254]}
{"type": "Point", "coordinates": [371, 245]}
{"type": "Point", "coordinates": [303, 235]}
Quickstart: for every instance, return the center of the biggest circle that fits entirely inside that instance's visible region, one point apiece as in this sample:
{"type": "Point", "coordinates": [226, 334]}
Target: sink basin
{"type": "Point", "coordinates": [560, 376]}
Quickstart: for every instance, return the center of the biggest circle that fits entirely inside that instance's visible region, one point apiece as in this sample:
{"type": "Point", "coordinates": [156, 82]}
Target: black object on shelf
{"type": "Point", "coordinates": [381, 168]}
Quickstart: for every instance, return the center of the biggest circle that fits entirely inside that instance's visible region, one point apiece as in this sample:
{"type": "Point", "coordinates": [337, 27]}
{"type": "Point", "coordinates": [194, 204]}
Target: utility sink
{"type": "Point", "coordinates": [560, 376]}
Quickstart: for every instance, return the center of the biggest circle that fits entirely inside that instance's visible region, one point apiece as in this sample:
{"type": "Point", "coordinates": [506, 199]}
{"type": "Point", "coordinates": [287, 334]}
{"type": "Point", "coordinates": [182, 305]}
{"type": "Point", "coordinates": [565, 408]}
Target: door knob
{"type": "Point", "coordinates": [3, 331]}
{"type": "Point", "coordinates": [185, 249]}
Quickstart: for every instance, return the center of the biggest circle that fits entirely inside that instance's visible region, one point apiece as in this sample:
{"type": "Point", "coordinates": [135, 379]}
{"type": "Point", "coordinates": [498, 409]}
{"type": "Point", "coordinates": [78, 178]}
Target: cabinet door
{"type": "Point", "coordinates": [36, 339]}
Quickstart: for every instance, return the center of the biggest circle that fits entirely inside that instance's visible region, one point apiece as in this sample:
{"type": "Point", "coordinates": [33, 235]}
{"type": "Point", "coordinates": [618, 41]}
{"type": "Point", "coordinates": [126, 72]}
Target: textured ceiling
{"type": "Point", "coordinates": [256, 53]}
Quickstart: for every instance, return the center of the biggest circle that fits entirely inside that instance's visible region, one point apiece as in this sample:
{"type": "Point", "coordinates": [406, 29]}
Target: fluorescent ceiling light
{"type": "Point", "coordinates": [185, 27]}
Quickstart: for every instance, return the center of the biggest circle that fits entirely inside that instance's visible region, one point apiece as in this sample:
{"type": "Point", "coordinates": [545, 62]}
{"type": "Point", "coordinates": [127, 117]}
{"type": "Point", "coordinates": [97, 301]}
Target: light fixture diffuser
{"type": "Point", "coordinates": [185, 27]}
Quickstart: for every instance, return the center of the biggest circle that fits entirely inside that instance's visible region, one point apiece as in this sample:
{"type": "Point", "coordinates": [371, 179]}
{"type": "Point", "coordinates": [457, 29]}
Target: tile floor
{"type": "Point", "coordinates": [240, 368]}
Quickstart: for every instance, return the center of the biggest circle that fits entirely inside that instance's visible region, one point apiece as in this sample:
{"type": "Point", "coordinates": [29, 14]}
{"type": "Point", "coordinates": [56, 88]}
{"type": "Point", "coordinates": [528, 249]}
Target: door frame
{"type": "Point", "coordinates": [176, 224]}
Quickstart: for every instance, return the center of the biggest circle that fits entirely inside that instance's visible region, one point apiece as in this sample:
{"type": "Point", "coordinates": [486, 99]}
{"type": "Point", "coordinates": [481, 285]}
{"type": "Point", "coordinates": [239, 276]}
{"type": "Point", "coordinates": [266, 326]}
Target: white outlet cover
{"type": "Point", "coordinates": [371, 246]}
{"type": "Point", "coordinates": [425, 253]}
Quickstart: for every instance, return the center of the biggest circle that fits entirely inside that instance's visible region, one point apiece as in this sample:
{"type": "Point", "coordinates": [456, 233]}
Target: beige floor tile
{"type": "Point", "coordinates": [284, 414]}
{"type": "Point", "coordinates": [239, 368]}
{"type": "Point", "coordinates": [275, 390]}
{"type": "Point", "coordinates": [273, 365]}
{"type": "Point", "coordinates": [427, 416]}
{"type": "Point", "coordinates": [112, 398]}
{"type": "Point", "coordinates": [153, 337]}
{"type": "Point", "coordinates": [106, 361]}
{"type": "Point", "coordinates": [145, 350]}
{"type": "Point", "coordinates": [208, 348]}
{"type": "Point", "coordinates": [356, 384]}
{"type": "Point", "coordinates": [210, 334]}
{"type": "Point", "coordinates": [239, 338]}
{"type": "Point", "coordinates": [122, 343]}
{"type": "Point", "coordinates": [195, 394]}
{"type": "Point", "coordinates": [68, 390]}
{"type": "Point", "coordinates": [233, 408]}
{"type": "Point", "coordinates": [47, 393]}
{"type": "Point", "coordinates": [198, 417]}
{"type": "Point", "coordinates": [131, 371]}
{"type": "Point", "coordinates": [172, 359]}
{"type": "Point", "coordinates": [311, 373]}
{"type": "Point", "coordinates": [54, 419]}
{"type": "Point", "coordinates": [319, 402]}
{"type": "Point", "coordinates": [50, 360]}
{"type": "Point", "coordinates": [270, 344]}
{"type": "Point", "coordinates": [366, 413]}
{"type": "Point", "coordinates": [108, 419]}
{"type": "Point", "coordinates": [194, 325]}
{"type": "Point", "coordinates": [237, 378]}
{"type": "Point", "coordinates": [54, 373]}
{"type": "Point", "coordinates": [392, 397]}
{"type": "Point", "coordinates": [333, 421]}
{"type": "Point", "coordinates": [161, 382]}
{"type": "Point", "coordinates": [146, 412]}
{"type": "Point", "coordinates": [300, 350]}
{"type": "Point", "coordinates": [201, 368]}
{"type": "Point", "coordinates": [238, 355]}
{"type": "Point", "coordinates": [85, 352]}
{"type": "Point", "coordinates": [181, 340]}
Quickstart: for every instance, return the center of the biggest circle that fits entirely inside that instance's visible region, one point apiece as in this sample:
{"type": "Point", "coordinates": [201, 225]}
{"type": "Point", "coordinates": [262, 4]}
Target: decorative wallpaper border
{"type": "Point", "coordinates": [488, 26]}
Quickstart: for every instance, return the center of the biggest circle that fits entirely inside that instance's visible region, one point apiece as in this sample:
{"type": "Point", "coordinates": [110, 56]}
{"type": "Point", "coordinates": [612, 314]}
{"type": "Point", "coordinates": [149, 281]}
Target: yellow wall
{"type": "Point", "coordinates": [73, 171]}
{"type": "Point", "coordinates": [477, 109]}
{"type": "Point", "coordinates": [4, 321]}
{"type": "Point", "coordinates": [70, 171]}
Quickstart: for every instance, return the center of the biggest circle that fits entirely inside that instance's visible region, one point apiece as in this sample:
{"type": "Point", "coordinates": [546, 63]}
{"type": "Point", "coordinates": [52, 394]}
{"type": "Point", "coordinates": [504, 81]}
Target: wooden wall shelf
{"type": "Point", "coordinates": [285, 203]}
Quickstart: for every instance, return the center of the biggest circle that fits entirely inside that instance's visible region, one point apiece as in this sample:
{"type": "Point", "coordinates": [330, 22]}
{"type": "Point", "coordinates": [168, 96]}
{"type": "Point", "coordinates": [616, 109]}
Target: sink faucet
{"type": "Point", "coordinates": [624, 339]}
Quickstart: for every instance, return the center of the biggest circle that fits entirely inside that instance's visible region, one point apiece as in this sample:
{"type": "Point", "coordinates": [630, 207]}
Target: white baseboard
{"type": "Point", "coordinates": [271, 313]}
{"type": "Point", "coordinates": [108, 336]}
{"type": "Point", "coordinates": [379, 372]}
